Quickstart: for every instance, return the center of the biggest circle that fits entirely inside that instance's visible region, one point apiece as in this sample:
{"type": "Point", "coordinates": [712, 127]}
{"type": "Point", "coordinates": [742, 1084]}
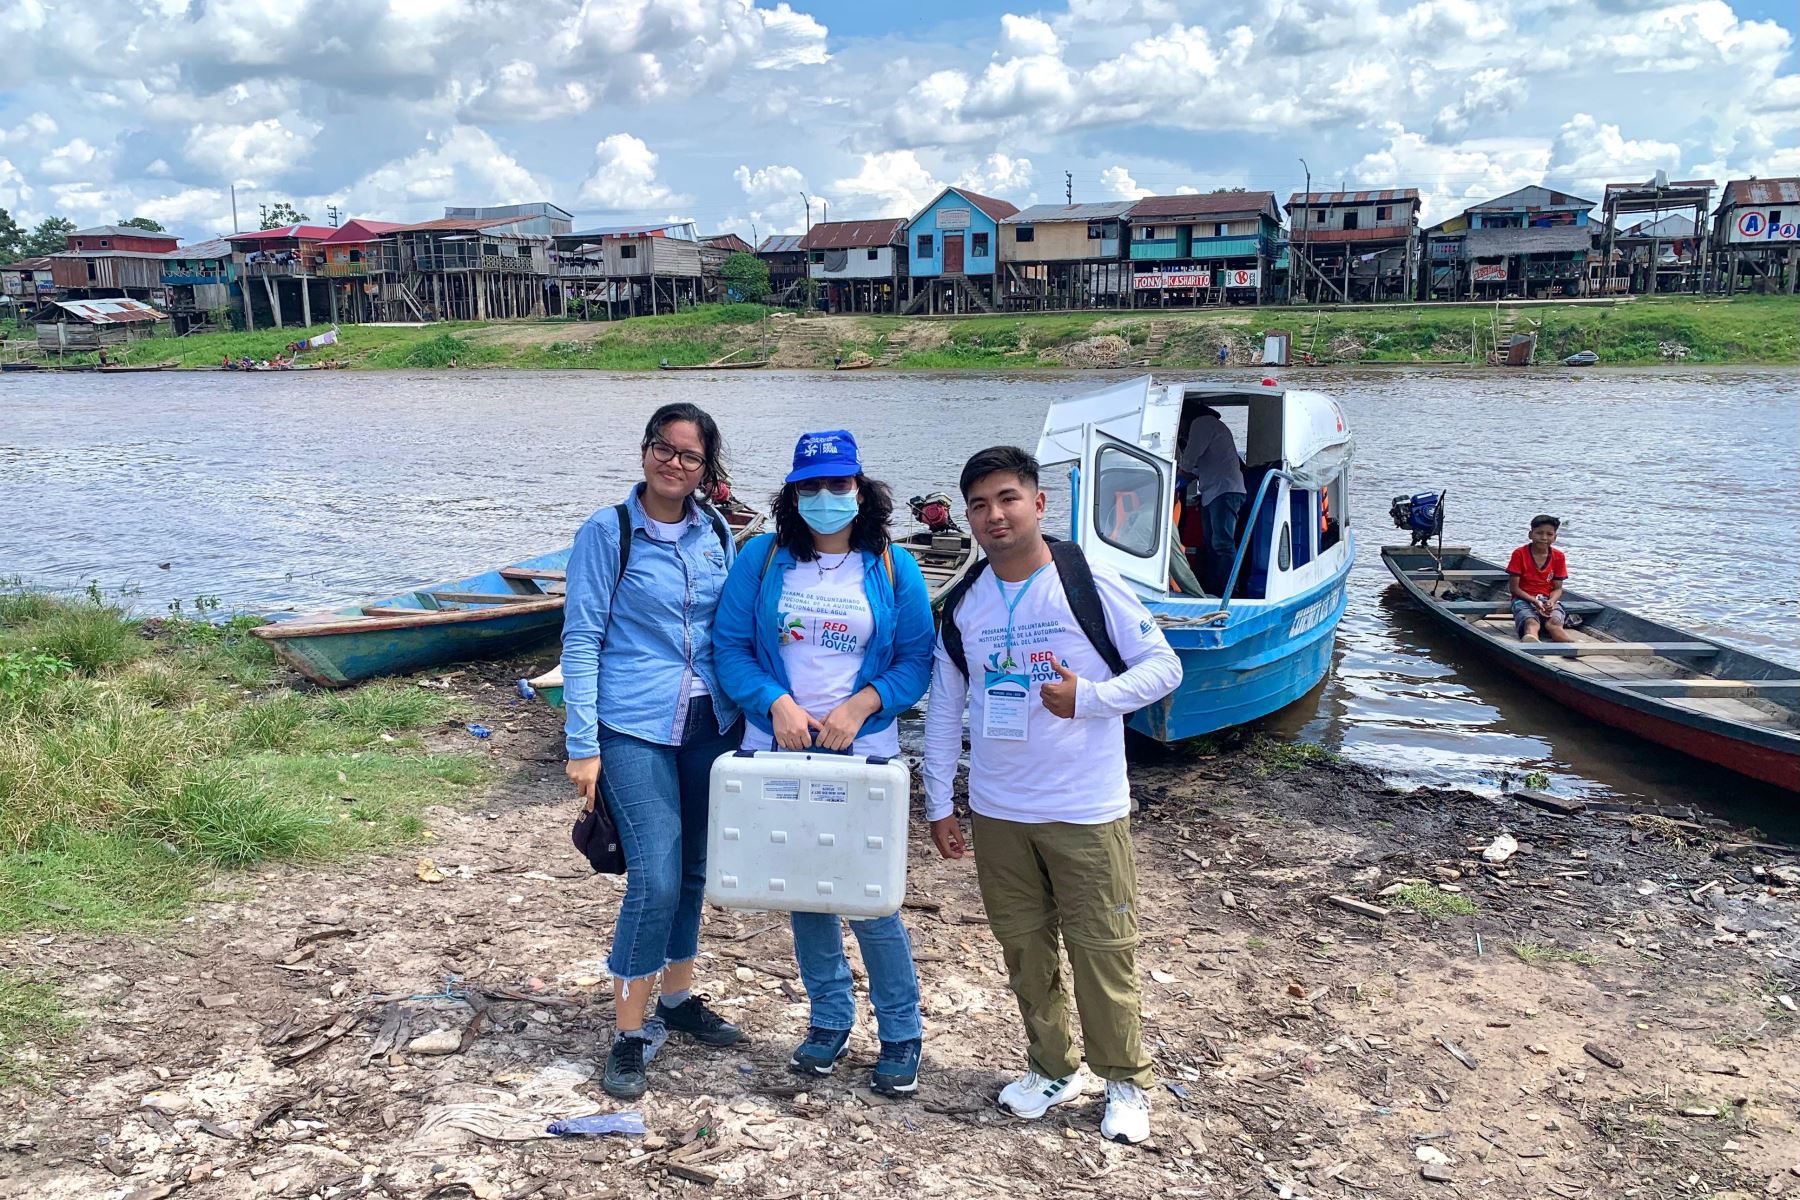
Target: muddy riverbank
{"type": "Point", "coordinates": [1608, 1009]}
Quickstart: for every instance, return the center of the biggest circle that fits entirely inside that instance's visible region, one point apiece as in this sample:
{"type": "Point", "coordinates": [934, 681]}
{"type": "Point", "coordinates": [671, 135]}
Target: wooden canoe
{"type": "Point", "coordinates": [494, 613]}
{"type": "Point", "coordinates": [1666, 685]}
{"type": "Point", "coordinates": [751, 365]}
{"type": "Point", "coordinates": [944, 559]}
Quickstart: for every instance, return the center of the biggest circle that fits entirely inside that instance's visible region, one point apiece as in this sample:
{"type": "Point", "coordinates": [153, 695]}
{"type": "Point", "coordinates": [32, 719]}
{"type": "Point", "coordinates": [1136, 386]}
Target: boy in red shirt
{"type": "Point", "coordinates": [1538, 571]}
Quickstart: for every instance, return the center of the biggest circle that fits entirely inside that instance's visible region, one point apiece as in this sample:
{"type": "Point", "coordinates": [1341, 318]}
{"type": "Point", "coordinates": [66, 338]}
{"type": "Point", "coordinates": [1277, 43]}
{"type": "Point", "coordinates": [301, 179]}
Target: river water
{"type": "Point", "coordinates": [1679, 488]}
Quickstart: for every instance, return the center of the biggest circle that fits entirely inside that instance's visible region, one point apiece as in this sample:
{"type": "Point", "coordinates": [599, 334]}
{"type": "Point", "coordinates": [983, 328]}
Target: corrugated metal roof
{"type": "Point", "coordinates": [1675, 225]}
{"type": "Point", "coordinates": [1202, 204]}
{"type": "Point", "coordinates": [605, 231]}
{"type": "Point", "coordinates": [359, 230]}
{"type": "Point", "coordinates": [1330, 198]}
{"type": "Point", "coordinates": [1532, 196]}
{"type": "Point", "coordinates": [781, 243]}
{"type": "Point", "coordinates": [308, 233]}
{"type": "Point", "coordinates": [40, 263]}
{"type": "Point", "coordinates": [111, 312]}
{"type": "Point", "coordinates": [123, 231]}
{"type": "Point", "coordinates": [1762, 191]}
{"type": "Point", "coordinates": [217, 248]}
{"type": "Point", "coordinates": [1109, 210]}
{"type": "Point", "coordinates": [455, 224]}
{"type": "Point", "coordinates": [850, 235]}
{"type": "Point", "coordinates": [727, 241]}
{"type": "Point", "coordinates": [87, 254]}
{"type": "Point", "coordinates": [1648, 190]}
{"type": "Point", "coordinates": [999, 210]}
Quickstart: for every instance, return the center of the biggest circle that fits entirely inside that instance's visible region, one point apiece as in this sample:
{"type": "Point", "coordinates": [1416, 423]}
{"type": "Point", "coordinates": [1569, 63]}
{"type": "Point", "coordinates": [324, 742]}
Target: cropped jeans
{"type": "Point", "coordinates": [886, 953]}
{"type": "Point", "coordinates": [658, 799]}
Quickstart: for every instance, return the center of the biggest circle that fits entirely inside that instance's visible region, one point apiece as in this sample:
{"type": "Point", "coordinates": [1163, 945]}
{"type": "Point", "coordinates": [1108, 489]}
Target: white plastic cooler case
{"type": "Point", "coordinates": [808, 832]}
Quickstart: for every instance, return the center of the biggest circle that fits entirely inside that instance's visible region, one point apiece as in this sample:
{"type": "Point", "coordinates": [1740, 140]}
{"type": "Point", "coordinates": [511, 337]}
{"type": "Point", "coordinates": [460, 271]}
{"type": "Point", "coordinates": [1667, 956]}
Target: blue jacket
{"type": "Point", "coordinates": [631, 646]}
{"type": "Point", "coordinates": [747, 634]}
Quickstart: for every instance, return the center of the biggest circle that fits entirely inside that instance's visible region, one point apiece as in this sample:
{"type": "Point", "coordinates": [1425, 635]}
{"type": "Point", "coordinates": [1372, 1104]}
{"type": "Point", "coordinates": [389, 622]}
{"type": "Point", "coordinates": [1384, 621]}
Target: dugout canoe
{"type": "Point", "coordinates": [1666, 685]}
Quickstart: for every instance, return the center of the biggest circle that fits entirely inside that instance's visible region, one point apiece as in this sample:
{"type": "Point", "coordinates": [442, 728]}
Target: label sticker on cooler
{"type": "Point", "coordinates": [781, 789]}
{"type": "Point", "coordinates": [828, 793]}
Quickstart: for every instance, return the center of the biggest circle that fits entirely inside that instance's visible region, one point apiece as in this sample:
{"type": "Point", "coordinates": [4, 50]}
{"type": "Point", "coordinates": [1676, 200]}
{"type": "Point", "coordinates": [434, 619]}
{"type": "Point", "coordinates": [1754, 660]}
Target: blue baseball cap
{"type": "Point", "coordinates": [828, 454]}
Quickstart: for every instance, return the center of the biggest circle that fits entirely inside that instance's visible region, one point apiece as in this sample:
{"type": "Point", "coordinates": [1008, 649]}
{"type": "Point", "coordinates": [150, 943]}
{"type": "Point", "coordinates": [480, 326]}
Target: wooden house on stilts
{"type": "Point", "coordinates": [1756, 236]}
{"type": "Point", "coordinates": [953, 253]}
{"type": "Point", "coordinates": [1065, 256]}
{"type": "Point", "coordinates": [1352, 246]}
{"type": "Point", "coordinates": [631, 270]}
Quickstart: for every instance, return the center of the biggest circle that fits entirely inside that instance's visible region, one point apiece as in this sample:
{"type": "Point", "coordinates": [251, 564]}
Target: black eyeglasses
{"type": "Point", "coordinates": [841, 485]}
{"type": "Point", "coordinates": [690, 460]}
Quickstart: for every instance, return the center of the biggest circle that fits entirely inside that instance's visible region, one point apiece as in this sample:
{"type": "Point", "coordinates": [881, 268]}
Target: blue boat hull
{"type": "Point", "coordinates": [1264, 659]}
{"type": "Point", "coordinates": [416, 633]}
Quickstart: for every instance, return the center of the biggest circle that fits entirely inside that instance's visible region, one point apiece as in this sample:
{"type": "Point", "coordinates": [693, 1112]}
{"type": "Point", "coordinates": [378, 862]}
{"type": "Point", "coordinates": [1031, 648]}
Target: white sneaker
{"type": "Point", "coordinates": [1127, 1113]}
{"type": "Point", "coordinates": [1035, 1095]}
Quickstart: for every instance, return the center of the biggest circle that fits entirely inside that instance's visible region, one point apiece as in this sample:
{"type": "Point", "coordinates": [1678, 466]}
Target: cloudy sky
{"type": "Point", "coordinates": [725, 111]}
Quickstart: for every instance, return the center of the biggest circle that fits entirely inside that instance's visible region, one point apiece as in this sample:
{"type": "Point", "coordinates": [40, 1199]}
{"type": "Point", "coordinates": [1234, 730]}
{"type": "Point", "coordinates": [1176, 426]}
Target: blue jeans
{"type": "Point", "coordinates": [1221, 540]}
{"type": "Point", "coordinates": [658, 798]}
{"type": "Point", "coordinates": [886, 952]}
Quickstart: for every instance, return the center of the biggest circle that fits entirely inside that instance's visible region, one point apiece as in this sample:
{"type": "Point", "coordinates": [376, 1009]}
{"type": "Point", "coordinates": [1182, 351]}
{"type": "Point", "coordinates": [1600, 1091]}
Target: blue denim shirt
{"type": "Point", "coordinates": [631, 646]}
{"type": "Point", "coordinates": [747, 646]}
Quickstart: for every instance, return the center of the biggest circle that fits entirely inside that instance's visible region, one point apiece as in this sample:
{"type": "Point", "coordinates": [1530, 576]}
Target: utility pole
{"type": "Point", "coordinates": [331, 211]}
{"type": "Point", "coordinates": [1293, 250]}
{"type": "Point", "coordinates": [235, 227]}
{"type": "Point", "coordinates": [804, 200]}
{"type": "Point", "coordinates": [1068, 187]}
{"type": "Point", "coordinates": [824, 211]}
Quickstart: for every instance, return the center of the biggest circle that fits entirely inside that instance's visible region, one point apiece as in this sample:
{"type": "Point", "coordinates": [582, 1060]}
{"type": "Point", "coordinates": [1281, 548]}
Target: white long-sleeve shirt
{"type": "Point", "coordinates": [1063, 769]}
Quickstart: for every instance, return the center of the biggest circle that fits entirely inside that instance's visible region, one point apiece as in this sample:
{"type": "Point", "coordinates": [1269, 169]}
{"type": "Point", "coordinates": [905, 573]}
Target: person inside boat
{"type": "Point", "coordinates": [1214, 484]}
{"type": "Point", "coordinates": [824, 637]}
{"type": "Point", "coordinates": [643, 697]}
{"type": "Point", "coordinates": [1538, 570]}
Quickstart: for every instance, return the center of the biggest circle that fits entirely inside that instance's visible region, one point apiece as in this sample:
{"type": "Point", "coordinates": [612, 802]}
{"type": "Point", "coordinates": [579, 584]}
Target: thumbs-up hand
{"type": "Point", "coordinates": [1059, 697]}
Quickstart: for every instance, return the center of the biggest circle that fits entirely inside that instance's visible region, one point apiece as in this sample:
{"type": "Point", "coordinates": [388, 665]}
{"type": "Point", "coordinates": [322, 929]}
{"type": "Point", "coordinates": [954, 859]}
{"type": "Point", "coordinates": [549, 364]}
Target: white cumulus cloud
{"type": "Point", "coordinates": [623, 178]}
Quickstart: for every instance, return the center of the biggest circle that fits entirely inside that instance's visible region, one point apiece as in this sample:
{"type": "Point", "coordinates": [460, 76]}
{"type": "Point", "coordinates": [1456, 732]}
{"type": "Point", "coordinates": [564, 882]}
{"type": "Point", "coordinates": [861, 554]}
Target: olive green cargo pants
{"type": "Point", "coordinates": [1080, 881]}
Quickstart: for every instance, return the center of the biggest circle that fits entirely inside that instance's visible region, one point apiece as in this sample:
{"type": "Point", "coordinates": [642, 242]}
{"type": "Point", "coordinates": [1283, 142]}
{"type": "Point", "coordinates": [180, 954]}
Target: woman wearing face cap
{"type": "Point", "coordinates": [824, 636]}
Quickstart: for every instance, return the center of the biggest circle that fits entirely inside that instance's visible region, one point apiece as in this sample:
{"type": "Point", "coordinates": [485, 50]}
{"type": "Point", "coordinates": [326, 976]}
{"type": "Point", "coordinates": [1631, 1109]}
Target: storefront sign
{"type": "Point", "coordinates": [1173, 279]}
{"type": "Point", "coordinates": [1495, 273]}
{"type": "Point", "coordinates": [1243, 278]}
{"type": "Point", "coordinates": [1757, 227]}
{"type": "Point", "coordinates": [953, 218]}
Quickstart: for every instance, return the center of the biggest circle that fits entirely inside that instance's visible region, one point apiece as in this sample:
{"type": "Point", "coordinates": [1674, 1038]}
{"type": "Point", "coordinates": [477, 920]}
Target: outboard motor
{"type": "Point", "coordinates": [933, 512]}
{"type": "Point", "coordinates": [1421, 515]}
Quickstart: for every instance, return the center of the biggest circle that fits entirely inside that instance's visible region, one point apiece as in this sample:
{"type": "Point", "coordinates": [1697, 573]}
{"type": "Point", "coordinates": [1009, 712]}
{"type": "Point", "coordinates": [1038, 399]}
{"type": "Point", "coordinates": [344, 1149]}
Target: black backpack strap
{"type": "Point", "coordinates": [623, 512]}
{"type": "Point", "coordinates": [1084, 601]}
{"type": "Point", "coordinates": [947, 627]}
{"type": "Point", "coordinates": [721, 528]}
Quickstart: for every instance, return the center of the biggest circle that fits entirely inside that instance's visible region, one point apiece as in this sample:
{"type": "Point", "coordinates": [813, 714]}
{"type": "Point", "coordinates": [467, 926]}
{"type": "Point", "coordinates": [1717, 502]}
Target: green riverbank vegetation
{"type": "Point", "coordinates": [1643, 331]}
{"type": "Point", "coordinates": [139, 758]}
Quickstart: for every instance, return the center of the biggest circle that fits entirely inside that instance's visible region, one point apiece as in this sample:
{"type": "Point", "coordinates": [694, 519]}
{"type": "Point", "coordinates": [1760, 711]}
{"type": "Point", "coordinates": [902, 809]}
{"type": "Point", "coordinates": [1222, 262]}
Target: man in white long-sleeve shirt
{"type": "Point", "coordinates": [1047, 783]}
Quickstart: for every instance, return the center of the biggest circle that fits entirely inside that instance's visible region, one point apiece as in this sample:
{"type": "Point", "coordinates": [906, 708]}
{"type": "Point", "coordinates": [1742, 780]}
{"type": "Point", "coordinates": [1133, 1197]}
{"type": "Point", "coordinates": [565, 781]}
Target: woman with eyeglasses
{"type": "Point", "coordinates": [646, 717]}
{"type": "Point", "coordinates": [824, 637]}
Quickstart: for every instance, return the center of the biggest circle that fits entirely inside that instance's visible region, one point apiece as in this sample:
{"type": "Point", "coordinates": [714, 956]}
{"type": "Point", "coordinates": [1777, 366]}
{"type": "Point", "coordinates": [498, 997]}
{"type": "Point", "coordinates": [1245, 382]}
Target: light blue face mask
{"type": "Point", "coordinates": [828, 512]}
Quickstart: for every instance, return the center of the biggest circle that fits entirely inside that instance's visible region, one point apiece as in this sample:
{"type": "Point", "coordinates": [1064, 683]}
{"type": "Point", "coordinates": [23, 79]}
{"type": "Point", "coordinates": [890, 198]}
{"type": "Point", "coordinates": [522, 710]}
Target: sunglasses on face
{"type": "Point", "coordinates": [690, 460]}
{"type": "Point", "coordinates": [843, 485]}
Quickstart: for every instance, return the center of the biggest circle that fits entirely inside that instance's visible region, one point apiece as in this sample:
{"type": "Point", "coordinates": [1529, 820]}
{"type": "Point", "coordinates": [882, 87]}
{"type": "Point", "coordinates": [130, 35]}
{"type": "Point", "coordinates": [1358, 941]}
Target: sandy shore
{"type": "Point", "coordinates": [1613, 1018]}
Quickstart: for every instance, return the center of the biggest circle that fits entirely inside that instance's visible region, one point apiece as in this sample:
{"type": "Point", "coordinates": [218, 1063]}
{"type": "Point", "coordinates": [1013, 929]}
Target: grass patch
{"type": "Point", "coordinates": [1434, 902]}
{"type": "Point", "coordinates": [1537, 955]}
{"type": "Point", "coordinates": [1269, 755]}
{"type": "Point", "coordinates": [131, 767]}
{"type": "Point", "coordinates": [30, 1014]}
{"type": "Point", "coordinates": [1254, 942]}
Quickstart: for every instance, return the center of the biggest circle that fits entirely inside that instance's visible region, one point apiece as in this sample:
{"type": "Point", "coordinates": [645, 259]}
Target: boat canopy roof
{"type": "Point", "coordinates": [1305, 430]}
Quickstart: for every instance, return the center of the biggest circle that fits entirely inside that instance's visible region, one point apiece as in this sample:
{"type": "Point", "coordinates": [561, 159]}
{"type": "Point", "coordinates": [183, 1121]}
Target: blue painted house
{"type": "Point", "coordinates": [954, 247]}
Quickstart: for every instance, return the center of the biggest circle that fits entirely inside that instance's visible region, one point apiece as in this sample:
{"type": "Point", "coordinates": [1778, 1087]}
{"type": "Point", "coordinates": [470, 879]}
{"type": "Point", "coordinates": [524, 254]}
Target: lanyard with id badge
{"type": "Point", "coordinates": [1006, 695]}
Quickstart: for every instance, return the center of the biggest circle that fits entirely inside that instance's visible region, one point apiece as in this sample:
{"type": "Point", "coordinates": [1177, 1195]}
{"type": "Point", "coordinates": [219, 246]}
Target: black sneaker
{"type": "Point", "coordinates": [699, 1022]}
{"type": "Point", "coordinates": [819, 1053]}
{"type": "Point", "coordinates": [897, 1070]}
{"type": "Point", "coordinates": [624, 1078]}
